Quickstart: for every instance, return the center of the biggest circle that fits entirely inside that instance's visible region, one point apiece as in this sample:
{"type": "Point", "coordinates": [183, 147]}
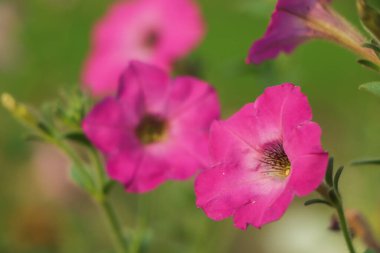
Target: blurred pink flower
{"type": "Point", "coordinates": [155, 129]}
{"type": "Point", "coordinates": [154, 31]}
{"type": "Point", "coordinates": [296, 21]}
{"type": "Point", "coordinates": [262, 156]}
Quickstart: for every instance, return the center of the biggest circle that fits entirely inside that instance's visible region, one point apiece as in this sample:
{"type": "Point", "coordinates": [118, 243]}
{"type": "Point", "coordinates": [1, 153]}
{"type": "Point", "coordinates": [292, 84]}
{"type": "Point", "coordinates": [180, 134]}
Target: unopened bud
{"type": "Point", "coordinates": [18, 110]}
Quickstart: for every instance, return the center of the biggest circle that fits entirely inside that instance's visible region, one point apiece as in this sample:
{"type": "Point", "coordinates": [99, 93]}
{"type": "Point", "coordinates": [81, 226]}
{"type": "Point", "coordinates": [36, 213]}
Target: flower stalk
{"type": "Point", "coordinates": [344, 226]}
{"type": "Point", "coordinates": [332, 196]}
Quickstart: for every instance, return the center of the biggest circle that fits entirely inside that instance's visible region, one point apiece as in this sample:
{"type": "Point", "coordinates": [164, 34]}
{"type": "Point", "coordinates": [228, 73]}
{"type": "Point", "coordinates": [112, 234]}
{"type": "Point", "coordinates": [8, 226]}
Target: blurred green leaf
{"type": "Point", "coordinates": [316, 201]}
{"type": "Point", "coordinates": [330, 171]}
{"type": "Point", "coordinates": [78, 137]}
{"type": "Point", "coordinates": [337, 178]}
{"type": "Point", "coordinates": [81, 180]}
{"type": "Point", "coordinates": [367, 162]}
{"type": "Point", "coordinates": [372, 87]}
{"type": "Point", "coordinates": [369, 64]}
{"type": "Point", "coordinates": [108, 186]}
{"type": "Point", "coordinates": [369, 251]}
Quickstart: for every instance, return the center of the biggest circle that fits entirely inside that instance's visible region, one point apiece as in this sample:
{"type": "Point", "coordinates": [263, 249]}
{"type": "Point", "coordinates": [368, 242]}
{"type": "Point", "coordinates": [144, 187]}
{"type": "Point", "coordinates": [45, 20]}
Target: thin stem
{"type": "Point", "coordinates": [102, 179]}
{"type": "Point", "coordinates": [344, 227]}
{"type": "Point", "coordinates": [114, 226]}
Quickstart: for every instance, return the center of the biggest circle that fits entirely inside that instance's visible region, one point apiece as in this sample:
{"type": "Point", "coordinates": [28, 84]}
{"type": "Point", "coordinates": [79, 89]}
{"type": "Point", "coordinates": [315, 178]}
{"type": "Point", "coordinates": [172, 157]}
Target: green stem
{"type": "Point", "coordinates": [334, 198]}
{"type": "Point", "coordinates": [109, 213]}
{"type": "Point", "coordinates": [114, 226]}
{"type": "Point", "coordinates": [101, 176]}
{"type": "Point", "coordinates": [344, 227]}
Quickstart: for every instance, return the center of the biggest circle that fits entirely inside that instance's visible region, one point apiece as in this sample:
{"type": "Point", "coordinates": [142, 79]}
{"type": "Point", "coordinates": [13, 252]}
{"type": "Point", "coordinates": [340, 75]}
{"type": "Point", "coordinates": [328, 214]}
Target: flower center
{"type": "Point", "coordinates": [151, 39]}
{"type": "Point", "coordinates": [275, 160]}
{"type": "Point", "coordinates": [151, 129]}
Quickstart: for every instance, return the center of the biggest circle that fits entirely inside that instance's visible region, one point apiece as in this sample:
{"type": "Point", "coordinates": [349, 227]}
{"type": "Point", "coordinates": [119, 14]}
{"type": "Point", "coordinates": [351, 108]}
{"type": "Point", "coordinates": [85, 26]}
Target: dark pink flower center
{"type": "Point", "coordinates": [151, 39]}
{"type": "Point", "coordinates": [275, 160]}
{"type": "Point", "coordinates": [151, 129]}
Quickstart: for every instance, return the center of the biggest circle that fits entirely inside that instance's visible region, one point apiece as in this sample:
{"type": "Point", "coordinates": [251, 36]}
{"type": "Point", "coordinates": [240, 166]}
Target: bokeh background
{"type": "Point", "coordinates": [42, 47]}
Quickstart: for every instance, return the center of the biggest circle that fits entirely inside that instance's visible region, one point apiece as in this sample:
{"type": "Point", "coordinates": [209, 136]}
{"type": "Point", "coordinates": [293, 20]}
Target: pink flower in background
{"type": "Point", "coordinates": [155, 129]}
{"type": "Point", "coordinates": [262, 156]}
{"type": "Point", "coordinates": [296, 21]}
{"type": "Point", "coordinates": [154, 31]}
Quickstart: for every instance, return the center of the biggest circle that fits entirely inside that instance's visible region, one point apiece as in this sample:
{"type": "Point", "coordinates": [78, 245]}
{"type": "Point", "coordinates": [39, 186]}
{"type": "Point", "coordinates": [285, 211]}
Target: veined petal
{"type": "Point", "coordinates": [261, 157]}
{"type": "Point", "coordinates": [267, 208]}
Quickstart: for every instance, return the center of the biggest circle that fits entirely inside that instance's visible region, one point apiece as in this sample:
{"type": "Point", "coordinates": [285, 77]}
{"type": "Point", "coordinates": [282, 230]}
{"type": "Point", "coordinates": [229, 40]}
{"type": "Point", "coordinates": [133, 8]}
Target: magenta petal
{"type": "Point", "coordinates": [309, 161]}
{"type": "Point", "coordinates": [221, 191]}
{"type": "Point", "coordinates": [144, 88]}
{"type": "Point", "coordinates": [154, 31]}
{"type": "Point", "coordinates": [155, 129]}
{"type": "Point", "coordinates": [284, 34]}
{"type": "Point", "coordinates": [281, 107]}
{"type": "Point", "coordinates": [123, 166]}
{"type": "Point", "coordinates": [193, 99]}
{"type": "Point", "coordinates": [290, 26]}
{"type": "Point", "coordinates": [108, 128]}
{"type": "Point", "coordinates": [264, 210]}
{"type": "Point", "coordinates": [308, 173]}
{"type": "Point", "coordinates": [228, 144]}
{"type": "Point", "coordinates": [261, 157]}
{"type": "Point", "coordinates": [304, 139]}
{"type": "Point", "coordinates": [138, 170]}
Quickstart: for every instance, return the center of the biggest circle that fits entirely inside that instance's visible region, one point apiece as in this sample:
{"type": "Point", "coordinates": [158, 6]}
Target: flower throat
{"type": "Point", "coordinates": [151, 129]}
{"type": "Point", "coordinates": [275, 160]}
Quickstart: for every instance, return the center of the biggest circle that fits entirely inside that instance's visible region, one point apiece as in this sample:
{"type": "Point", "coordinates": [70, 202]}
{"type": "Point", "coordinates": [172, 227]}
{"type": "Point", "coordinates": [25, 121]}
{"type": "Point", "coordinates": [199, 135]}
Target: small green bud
{"type": "Point", "coordinates": [370, 18]}
{"type": "Point", "coordinates": [18, 110]}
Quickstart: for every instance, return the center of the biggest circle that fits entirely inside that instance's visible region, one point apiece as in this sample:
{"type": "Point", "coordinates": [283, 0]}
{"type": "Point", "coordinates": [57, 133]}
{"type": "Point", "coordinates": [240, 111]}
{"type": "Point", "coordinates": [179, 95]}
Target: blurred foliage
{"type": "Point", "coordinates": [50, 39]}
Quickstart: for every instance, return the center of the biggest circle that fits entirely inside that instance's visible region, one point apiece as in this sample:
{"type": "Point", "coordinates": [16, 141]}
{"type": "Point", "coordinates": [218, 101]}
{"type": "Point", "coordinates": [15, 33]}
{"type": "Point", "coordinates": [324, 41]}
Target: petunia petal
{"type": "Point", "coordinates": [289, 27]}
{"type": "Point", "coordinates": [124, 34]}
{"type": "Point", "coordinates": [144, 88]}
{"type": "Point", "coordinates": [251, 198]}
{"type": "Point", "coordinates": [280, 108]}
{"type": "Point", "coordinates": [308, 173]}
{"type": "Point", "coordinates": [108, 128]}
{"type": "Point", "coordinates": [267, 208]}
{"type": "Point", "coordinates": [284, 34]}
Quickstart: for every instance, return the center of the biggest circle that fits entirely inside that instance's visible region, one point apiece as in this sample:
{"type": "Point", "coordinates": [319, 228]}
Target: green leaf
{"type": "Point", "coordinates": [372, 87]}
{"type": "Point", "coordinates": [330, 171]}
{"type": "Point", "coordinates": [317, 201]}
{"type": "Point", "coordinates": [336, 179]}
{"type": "Point", "coordinates": [33, 137]}
{"type": "Point", "coordinates": [369, 65]}
{"type": "Point", "coordinates": [108, 186]}
{"type": "Point", "coordinates": [333, 197]}
{"type": "Point", "coordinates": [81, 180]}
{"type": "Point", "coordinates": [366, 162]}
{"type": "Point", "coordinates": [78, 137]}
{"type": "Point", "coordinates": [370, 251]}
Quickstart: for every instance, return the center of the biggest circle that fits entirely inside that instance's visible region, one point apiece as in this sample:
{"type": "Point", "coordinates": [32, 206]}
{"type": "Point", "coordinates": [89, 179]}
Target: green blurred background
{"type": "Point", "coordinates": [42, 47]}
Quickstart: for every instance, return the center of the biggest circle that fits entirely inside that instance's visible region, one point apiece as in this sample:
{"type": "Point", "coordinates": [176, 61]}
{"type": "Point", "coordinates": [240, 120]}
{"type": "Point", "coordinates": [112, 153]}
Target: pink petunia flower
{"type": "Point", "coordinates": [262, 157]}
{"type": "Point", "coordinates": [296, 21]}
{"type": "Point", "coordinates": [153, 31]}
{"type": "Point", "coordinates": [155, 128]}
